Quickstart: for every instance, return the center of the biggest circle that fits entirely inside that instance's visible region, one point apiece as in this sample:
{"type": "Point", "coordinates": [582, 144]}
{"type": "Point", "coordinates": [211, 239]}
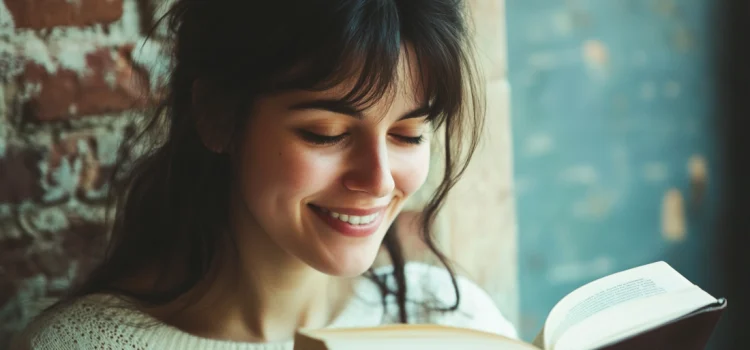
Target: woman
{"type": "Point", "coordinates": [291, 136]}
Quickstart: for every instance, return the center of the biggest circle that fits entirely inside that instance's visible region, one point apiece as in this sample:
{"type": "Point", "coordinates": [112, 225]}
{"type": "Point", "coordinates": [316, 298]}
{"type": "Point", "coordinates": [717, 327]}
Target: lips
{"type": "Point", "coordinates": [352, 222]}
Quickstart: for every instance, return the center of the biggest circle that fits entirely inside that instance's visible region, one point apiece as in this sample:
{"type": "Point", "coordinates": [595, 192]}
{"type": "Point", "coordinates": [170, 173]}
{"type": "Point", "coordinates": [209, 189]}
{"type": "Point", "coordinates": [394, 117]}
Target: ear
{"type": "Point", "coordinates": [213, 116]}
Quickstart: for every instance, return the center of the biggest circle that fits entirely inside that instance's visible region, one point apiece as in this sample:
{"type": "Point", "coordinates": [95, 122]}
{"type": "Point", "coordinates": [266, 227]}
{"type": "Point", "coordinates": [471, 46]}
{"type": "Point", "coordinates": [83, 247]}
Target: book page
{"type": "Point", "coordinates": [628, 319]}
{"type": "Point", "coordinates": [422, 344]}
{"type": "Point", "coordinates": [622, 287]}
{"type": "Point", "coordinates": [407, 336]}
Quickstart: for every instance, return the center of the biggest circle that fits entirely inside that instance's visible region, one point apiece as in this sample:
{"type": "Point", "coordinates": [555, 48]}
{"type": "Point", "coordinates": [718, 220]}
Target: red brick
{"type": "Point", "coordinates": [38, 14]}
{"type": "Point", "coordinates": [84, 243]}
{"type": "Point", "coordinates": [20, 177]}
{"type": "Point", "coordinates": [92, 176]}
{"type": "Point", "coordinates": [19, 173]}
{"type": "Point", "coordinates": [67, 148]}
{"type": "Point", "coordinates": [113, 84]}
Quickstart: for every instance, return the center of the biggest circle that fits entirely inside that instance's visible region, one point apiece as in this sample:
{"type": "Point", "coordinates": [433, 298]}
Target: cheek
{"type": "Point", "coordinates": [282, 168]}
{"type": "Point", "coordinates": [410, 170]}
{"type": "Point", "coordinates": [304, 172]}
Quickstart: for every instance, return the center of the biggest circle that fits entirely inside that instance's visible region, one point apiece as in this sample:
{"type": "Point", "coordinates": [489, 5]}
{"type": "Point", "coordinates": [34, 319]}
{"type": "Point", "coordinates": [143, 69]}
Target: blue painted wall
{"type": "Point", "coordinates": [611, 100]}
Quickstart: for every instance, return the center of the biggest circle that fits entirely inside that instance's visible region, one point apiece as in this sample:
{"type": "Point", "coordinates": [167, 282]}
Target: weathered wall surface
{"type": "Point", "coordinates": [73, 75]}
{"type": "Point", "coordinates": [615, 145]}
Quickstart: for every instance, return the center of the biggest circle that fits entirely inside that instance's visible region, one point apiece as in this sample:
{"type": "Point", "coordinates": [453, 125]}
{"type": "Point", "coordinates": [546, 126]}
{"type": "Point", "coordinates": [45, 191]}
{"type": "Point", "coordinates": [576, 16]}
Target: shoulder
{"type": "Point", "coordinates": [430, 287]}
{"type": "Point", "coordinates": [91, 322]}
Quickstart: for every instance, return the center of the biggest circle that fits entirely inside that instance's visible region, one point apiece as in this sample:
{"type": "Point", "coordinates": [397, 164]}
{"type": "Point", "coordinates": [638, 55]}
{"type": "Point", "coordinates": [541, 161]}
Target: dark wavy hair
{"type": "Point", "coordinates": [171, 199]}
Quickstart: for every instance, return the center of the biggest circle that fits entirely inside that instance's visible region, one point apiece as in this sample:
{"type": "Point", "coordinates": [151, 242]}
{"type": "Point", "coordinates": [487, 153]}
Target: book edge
{"type": "Point", "coordinates": [718, 306]}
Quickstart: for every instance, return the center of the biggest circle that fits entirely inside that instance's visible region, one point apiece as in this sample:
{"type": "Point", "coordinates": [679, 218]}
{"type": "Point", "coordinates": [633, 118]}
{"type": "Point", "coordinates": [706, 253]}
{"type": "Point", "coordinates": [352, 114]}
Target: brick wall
{"type": "Point", "coordinates": [73, 77]}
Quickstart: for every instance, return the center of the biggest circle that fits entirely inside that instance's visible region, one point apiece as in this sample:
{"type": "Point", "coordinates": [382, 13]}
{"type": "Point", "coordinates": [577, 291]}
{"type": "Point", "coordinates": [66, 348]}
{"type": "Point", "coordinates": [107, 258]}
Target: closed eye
{"type": "Point", "coordinates": [325, 140]}
{"type": "Point", "coordinates": [412, 140]}
{"type": "Point", "coordinates": [322, 140]}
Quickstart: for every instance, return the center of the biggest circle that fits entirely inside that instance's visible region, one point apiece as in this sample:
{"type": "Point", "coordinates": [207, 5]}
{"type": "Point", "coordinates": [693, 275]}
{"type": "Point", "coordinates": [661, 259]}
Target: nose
{"type": "Point", "coordinates": [370, 170]}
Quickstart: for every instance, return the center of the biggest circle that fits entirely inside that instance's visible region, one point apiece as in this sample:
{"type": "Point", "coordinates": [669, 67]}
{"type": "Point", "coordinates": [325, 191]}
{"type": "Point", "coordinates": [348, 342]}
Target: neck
{"type": "Point", "coordinates": [259, 293]}
{"type": "Point", "coordinates": [275, 294]}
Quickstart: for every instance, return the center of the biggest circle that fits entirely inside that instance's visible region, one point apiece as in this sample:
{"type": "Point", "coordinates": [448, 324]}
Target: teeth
{"type": "Point", "coordinates": [354, 220]}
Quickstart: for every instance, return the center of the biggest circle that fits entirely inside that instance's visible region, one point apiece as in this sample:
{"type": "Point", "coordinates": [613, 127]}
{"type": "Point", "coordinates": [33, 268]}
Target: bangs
{"type": "Point", "coordinates": [368, 47]}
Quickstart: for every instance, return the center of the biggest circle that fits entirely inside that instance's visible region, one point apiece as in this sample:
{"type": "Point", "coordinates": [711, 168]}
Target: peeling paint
{"type": "Point", "coordinates": [61, 182]}
{"type": "Point", "coordinates": [698, 168]}
{"type": "Point", "coordinates": [538, 144]}
{"type": "Point", "coordinates": [673, 221]}
{"type": "Point", "coordinates": [71, 55]}
{"type": "Point", "coordinates": [626, 115]}
{"type": "Point", "coordinates": [580, 270]}
{"type": "Point", "coordinates": [595, 53]}
{"type": "Point", "coordinates": [522, 184]}
{"type": "Point", "coordinates": [50, 220]}
{"type": "Point", "coordinates": [9, 230]}
{"type": "Point", "coordinates": [108, 144]}
{"type": "Point", "coordinates": [583, 174]}
{"type": "Point", "coordinates": [595, 206]}
{"type": "Point", "coordinates": [698, 172]}
{"type": "Point", "coordinates": [672, 89]}
{"type": "Point", "coordinates": [596, 57]}
{"type": "Point", "coordinates": [117, 33]}
{"type": "Point", "coordinates": [150, 55]}
{"type": "Point", "coordinates": [33, 221]}
{"type": "Point", "coordinates": [665, 7]}
{"type": "Point", "coordinates": [655, 172]}
{"type": "Point", "coordinates": [562, 23]}
{"type": "Point", "coordinates": [7, 25]}
{"type": "Point", "coordinates": [65, 47]}
{"type": "Point", "coordinates": [543, 60]}
{"type": "Point", "coordinates": [29, 90]}
{"type": "Point", "coordinates": [683, 40]}
{"type": "Point", "coordinates": [63, 204]}
{"type": "Point", "coordinates": [15, 314]}
{"type": "Point", "coordinates": [548, 60]}
{"type": "Point", "coordinates": [35, 50]}
{"type": "Point", "coordinates": [648, 90]}
{"type": "Point", "coordinates": [639, 58]}
{"type": "Point", "coordinates": [10, 64]}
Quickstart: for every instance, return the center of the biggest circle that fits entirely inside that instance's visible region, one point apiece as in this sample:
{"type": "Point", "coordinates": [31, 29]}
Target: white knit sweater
{"type": "Point", "coordinates": [94, 323]}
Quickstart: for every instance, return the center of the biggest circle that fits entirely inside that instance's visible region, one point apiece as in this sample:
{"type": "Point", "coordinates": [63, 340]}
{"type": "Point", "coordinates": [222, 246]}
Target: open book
{"type": "Point", "coordinates": [647, 307]}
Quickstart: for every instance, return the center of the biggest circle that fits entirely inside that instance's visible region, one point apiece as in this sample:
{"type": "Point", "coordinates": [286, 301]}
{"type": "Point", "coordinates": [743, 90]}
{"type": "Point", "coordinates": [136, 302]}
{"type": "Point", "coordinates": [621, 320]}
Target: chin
{"type": "Point", "coordinates": [347, 264]}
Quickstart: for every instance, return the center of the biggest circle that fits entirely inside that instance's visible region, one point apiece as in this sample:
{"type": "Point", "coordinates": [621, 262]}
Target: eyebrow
{"type": "Point", "coordinates": [342, 107]}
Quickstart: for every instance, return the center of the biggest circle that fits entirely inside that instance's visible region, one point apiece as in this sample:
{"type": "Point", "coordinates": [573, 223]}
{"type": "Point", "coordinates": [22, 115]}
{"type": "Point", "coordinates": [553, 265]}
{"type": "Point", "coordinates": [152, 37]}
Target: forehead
{"type": "Point", "coordinates": [406, 87]}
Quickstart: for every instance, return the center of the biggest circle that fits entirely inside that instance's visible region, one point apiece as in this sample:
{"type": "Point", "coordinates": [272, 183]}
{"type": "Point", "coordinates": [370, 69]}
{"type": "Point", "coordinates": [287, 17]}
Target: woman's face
{"type": "Point", "coordinates": [325, 182]}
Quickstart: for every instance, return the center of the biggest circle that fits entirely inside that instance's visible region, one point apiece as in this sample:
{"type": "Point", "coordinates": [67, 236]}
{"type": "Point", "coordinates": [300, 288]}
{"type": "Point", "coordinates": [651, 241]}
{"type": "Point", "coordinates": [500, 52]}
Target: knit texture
{"type": "Point", "coordinates": [100, 321]}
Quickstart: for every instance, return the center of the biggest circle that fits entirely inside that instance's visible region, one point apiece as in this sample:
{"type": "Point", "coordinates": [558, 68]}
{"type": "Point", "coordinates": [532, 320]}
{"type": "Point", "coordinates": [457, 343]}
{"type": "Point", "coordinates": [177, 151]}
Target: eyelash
{"type": "Point", "coordinates": [324, 140]}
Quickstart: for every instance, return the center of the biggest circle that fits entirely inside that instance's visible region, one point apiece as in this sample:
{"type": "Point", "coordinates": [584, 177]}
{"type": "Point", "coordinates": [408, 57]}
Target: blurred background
{"type": "Point", "coordinates": [625, 119]}
{"type": "Point", "coordinates": [616, 137]}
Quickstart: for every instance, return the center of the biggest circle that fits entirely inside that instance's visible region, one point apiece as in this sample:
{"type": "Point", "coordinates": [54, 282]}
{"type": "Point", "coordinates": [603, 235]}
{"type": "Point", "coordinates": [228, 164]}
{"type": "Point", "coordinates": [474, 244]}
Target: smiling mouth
{"type": "Point", "coordinates": [351, 219]}
{"type": "Point", "coordinates": [348, 224]}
